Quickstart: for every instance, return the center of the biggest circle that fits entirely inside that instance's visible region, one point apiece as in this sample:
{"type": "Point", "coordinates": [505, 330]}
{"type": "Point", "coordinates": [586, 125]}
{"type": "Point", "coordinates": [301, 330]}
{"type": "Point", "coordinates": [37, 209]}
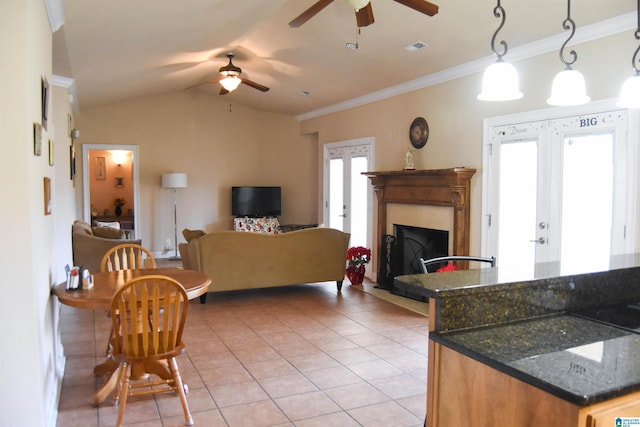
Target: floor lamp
{"type": "Point", "coordinates": [174, 181]}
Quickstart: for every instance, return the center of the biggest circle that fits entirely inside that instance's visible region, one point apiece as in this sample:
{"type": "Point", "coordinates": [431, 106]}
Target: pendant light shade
{"type": "Point", "coordinates": [500, 83]}
{"type": "Point", "coordinates": [568, 88]}
{"type": "Point", "coordinates": [230, 83]}
{"type": "Point", "coordinates": [630, 93]}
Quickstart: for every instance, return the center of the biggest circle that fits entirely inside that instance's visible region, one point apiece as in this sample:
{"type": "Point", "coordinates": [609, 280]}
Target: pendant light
{"type": "Point", "coordinates": [630, 93]}
{"type": "Point", "coordinates": [357, 4]}
{"type": "Point", "coordinates": [568, 86]}
{"type": "Point", "coordinates": [500, 81]}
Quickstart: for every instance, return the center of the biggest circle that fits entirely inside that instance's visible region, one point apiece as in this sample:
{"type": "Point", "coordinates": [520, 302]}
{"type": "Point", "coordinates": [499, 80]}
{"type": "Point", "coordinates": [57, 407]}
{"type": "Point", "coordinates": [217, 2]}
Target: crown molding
{"type": "Point", "coordinates": [55, 11]}
{"type": "Point", "coordinates": [584, 34]}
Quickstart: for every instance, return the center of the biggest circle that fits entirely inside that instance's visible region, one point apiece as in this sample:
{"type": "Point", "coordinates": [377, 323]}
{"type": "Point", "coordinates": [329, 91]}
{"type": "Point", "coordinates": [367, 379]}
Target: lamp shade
{"type": "Point", "coordinates": [230, 83]}
{"type": "Point", "coordinates": [568, 88]}
{"type": "Point", "coordinates": [174, 180]}
{"type": "Point", "coordinates": [630, 93]}
{"type": "Point", "coordinates": [500, 83]}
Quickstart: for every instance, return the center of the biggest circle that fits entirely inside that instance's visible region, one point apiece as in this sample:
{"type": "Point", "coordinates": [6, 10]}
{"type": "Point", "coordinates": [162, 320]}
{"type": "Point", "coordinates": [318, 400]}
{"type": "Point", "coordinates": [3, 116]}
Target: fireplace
{"type": "Point", "coordinates": [403, 250]}
{"type": "Point", "coordinates": [413, 243]}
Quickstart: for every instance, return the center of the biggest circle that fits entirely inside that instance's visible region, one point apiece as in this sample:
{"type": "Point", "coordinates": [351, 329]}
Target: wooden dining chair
{"type": "Point", "coordinates": [127, 256]}
{"type": "Point", "coordinates": [148, 315]}
{"type": "Point", "coordinates": [445, 259]}
{"type": "Point", "coordinates": [124, 257]}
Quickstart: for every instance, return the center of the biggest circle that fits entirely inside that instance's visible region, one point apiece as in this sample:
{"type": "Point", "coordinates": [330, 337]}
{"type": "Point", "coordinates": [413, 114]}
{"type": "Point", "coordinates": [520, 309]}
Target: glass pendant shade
{"type": "Point", "coordinates": [630, 93]}
{"type": "Point", "coordinates": [500, 83]}
{"type": "Point", "coordinates": [230, 83]}
{"type": "Point", "coordinates": [357, 4]}
{"type": "Point", "coordinates": [568, 88]}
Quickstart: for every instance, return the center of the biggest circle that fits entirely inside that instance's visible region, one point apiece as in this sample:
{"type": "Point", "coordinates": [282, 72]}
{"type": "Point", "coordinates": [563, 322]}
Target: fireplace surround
{"type": "Point", "coordinates": [435, 187]}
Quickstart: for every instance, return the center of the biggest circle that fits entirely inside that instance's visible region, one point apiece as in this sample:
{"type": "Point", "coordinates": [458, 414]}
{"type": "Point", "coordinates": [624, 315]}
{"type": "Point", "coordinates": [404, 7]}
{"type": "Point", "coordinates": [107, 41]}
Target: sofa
{"type": "Point", "coordinates": [240, 260]}
{"type": "Point", "coordinates": [89, 244]}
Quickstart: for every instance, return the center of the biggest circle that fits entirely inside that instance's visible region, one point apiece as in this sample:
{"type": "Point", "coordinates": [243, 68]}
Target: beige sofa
{"type": "Point", "coordinates": [89, 244]}
{"type": "Point", "coordinates": [238, 260]}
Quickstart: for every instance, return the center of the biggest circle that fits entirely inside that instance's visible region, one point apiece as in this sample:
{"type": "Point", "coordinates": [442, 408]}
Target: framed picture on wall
{"type": "Point", "coordinates": [119, 181]}
{"type": "Point", "coordinates": [101, 171]}
{"type": "Point", "coordinates": [37, 139]}
{"type": "Point", "coordinates": [45, 101]}
{"type": "Point", "coordinates": [51, 152]}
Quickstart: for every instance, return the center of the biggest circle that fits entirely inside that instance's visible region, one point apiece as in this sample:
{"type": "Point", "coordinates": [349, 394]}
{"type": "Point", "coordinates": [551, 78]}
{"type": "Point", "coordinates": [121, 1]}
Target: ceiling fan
{"type": "Point", "coordinates": [364, 11]}
{"type": "Point", "coordinates": [230, 79]}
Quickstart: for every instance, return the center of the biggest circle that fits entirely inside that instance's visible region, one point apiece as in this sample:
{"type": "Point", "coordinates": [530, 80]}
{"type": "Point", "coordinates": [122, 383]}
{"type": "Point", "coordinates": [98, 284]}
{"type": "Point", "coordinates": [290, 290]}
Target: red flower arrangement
{"type": "Point", "coordinates": [357, 256]}
{"type": "Point", "coordinates": [448, 267]}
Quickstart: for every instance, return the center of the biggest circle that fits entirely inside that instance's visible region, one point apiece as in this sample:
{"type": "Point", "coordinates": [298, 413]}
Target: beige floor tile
{"type": "Point", "coordinates": [307, 405]}
{"type": "Point", "coordinates": [237, 393]}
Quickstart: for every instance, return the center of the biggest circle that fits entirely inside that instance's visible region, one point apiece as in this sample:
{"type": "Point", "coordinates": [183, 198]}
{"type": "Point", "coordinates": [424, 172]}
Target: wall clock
{"type": "Point", "coordinates": [419, 132]}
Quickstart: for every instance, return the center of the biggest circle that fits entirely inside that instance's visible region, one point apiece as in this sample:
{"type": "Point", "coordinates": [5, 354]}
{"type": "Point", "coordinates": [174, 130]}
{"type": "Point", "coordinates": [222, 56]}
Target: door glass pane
{"type": "Point", "coordinates": [358, 217]}
{"type": "Point", "coordinates": [336, 194]}
{"type": "Point", "coordinates": [517, 207]}
{"type": "Point", "coordinates": [587, 202]}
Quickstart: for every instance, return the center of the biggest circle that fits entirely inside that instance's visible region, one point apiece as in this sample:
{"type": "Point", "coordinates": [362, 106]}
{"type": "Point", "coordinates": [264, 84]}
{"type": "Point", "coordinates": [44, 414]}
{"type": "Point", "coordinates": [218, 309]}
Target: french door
{"type": "Point", "coordinates": [557, 190]}
{"type": "Point", "coordinates": [347, 195]}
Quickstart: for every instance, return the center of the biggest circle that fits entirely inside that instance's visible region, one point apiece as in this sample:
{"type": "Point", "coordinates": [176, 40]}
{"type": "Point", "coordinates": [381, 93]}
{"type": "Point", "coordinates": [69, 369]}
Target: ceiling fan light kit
{"type": "Point", "coordinates": [231, 83]}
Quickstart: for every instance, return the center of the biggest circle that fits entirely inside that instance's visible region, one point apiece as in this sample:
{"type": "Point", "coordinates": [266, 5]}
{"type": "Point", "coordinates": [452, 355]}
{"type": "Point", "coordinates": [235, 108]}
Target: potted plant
{"type": "Point", "coordinates": [357, 257]}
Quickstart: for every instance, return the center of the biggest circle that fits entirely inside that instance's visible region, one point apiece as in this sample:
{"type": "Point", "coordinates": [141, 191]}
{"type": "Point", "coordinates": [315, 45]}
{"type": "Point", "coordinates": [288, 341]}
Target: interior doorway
{"type": "Point", "coordinates": [111, 185]}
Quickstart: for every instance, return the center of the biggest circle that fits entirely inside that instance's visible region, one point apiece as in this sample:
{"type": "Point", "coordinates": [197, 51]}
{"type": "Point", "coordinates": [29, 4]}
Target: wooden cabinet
{"type": "Point", "coordinates": [463, 391]}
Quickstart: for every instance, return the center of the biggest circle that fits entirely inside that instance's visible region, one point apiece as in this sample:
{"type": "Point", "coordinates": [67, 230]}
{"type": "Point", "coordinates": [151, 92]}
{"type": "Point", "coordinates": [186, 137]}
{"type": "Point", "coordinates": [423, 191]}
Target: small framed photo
{"type": "Point", "coordinates": [48, 205]}
{"type": "Point", "coordinates": [72, 162]}
{"type": "Point", "coordinates": [45, 101]}
{"type": "Point", "coordinates": [119, 181]}
{"type": "Point", "coordinates": [37, 139]}
{"type": "Point", "coordinates": [101, 171]}
{"type": "Point", "coordinates": [51, 152]}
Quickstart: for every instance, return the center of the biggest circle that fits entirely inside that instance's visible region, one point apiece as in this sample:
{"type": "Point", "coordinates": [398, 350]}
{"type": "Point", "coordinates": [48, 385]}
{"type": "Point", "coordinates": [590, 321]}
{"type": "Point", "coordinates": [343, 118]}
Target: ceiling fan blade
{"type": "Point", "coordinates": [215, 80]}
{"type": "Point", "coordinates": [364, 16]}
{"type": "Point", "coordinates": [421, 6]}
{"type": "Point", "coordinates": [309, 13]}
{"type": "Point", "coordinates": [255, 85]}
{"type": "Point", "coordinates": [223, 91]}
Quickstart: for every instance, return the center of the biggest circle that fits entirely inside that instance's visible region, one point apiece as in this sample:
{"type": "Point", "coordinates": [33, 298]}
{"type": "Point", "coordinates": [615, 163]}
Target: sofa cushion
{"type": "Point", "coordinates": [108, 232]}
{"type": "Point", "coordinates": [189, 235]}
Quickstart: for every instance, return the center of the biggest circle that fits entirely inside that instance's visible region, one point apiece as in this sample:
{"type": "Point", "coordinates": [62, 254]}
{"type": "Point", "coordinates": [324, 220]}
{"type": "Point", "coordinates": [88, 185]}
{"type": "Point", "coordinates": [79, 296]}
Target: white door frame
{"type": "Point", "coordinates": [633, 136]}
{"type": "Point", "coordinates": [370, 142]}
{"type": "Point", "coordinates": [86, 189]}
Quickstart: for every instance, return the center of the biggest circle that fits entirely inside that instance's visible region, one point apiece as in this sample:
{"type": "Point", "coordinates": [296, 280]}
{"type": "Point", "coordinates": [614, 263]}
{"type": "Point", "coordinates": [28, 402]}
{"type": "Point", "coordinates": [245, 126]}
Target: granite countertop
{"type": "Point", "coordinates": [578, 360]}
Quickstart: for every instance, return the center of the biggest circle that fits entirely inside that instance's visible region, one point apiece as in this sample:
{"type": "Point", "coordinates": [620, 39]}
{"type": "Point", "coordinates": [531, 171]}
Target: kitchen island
{"type": "Point", "coordinates": [512, 351]}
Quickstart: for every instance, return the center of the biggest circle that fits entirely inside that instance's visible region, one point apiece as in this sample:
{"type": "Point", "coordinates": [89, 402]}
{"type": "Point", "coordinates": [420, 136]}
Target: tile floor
{"type": "Point", "coordinates": [296, 356]}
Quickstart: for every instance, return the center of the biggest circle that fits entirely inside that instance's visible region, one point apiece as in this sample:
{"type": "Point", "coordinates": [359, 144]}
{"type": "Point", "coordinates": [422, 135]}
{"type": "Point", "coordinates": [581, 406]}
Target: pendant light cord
{"type": "Point", "coordinates": [569, 24]}
{"type": "Point", "coordinates": [499, 12]}
{"type": "Point", "coordinates": [635, 61]}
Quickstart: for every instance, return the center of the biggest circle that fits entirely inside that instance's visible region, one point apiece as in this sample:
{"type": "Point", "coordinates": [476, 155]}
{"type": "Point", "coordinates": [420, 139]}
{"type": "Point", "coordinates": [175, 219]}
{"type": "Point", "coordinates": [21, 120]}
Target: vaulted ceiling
{"type": "Point", "coordinates": [116, 50]}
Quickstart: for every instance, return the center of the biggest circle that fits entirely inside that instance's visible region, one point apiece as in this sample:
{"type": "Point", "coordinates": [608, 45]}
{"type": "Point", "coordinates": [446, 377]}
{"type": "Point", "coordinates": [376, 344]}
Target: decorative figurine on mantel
{"type": "Point", "coordinates": [408, 159]}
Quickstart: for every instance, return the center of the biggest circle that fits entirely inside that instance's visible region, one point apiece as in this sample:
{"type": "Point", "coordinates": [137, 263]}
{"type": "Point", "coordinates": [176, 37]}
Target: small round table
{"type": "Point", "coordinates": [105, 285]}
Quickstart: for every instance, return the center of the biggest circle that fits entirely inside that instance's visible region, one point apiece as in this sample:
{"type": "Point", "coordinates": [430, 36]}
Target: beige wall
{"type": "Point", "coordinates": [198, 134]}
{"type": "Point", "coordinates": [34, 246]}
{"type": "Point", "coordinates": [218, 146]}
{"type": "Point", "coordinates": [456, 117]}
{"type": "Point", "coordinates": [104, 191]}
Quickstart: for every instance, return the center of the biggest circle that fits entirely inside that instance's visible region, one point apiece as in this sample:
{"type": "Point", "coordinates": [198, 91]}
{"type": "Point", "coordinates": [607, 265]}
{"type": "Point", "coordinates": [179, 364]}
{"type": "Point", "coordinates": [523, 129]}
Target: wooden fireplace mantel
{"type": "Point", "coordinates": [436, 187]}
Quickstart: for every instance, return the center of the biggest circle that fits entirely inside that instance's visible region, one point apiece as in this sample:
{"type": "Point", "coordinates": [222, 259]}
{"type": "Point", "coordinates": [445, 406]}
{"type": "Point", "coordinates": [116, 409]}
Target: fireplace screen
{"type": "Point", "coordinates": [413, 243]}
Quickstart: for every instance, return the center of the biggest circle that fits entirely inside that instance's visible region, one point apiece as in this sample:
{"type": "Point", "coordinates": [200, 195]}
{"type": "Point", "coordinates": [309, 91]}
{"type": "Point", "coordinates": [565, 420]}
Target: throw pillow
{"type": "Point", "coordinates": [114, 224]}
{"type": "Point", "coordinates": [189, 235]}
{"type": "Point", "coordinates": [108, 232]}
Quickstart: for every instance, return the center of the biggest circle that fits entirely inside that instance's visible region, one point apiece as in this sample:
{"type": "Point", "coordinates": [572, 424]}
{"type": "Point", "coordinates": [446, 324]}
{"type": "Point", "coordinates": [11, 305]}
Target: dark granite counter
{"type": "Point", "coordinates": [522, 326]}
{"type": "Point", "coordinates": [578, 360]}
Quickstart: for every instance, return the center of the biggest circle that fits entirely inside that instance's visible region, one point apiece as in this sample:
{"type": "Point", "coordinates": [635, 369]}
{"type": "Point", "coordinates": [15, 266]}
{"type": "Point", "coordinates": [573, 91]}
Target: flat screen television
{"type": "Point", "coordinates": [256, 201]}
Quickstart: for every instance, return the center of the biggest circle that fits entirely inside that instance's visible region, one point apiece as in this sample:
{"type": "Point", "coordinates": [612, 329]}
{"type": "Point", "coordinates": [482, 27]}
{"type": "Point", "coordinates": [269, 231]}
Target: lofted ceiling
{"type": "Point", "coordinates": [117, 50]}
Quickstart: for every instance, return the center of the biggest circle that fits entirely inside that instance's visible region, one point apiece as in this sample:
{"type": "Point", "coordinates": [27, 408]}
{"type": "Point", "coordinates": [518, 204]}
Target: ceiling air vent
{"type": "Point", "coordinates": [415, 46]}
